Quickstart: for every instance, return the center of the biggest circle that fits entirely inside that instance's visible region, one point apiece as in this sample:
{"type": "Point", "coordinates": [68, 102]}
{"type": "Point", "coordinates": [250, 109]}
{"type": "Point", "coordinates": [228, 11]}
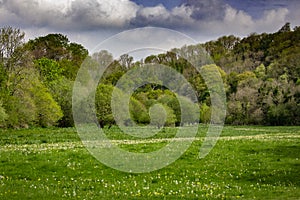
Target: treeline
{"type": "Point", "coordinates": [36, 79]}
{"type": "Point", "coordinates": [261, 74]}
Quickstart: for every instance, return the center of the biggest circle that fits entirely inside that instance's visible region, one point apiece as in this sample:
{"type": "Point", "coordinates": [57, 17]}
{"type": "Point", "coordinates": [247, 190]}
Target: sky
{"type": "Point", "coordinates": [89, 22]}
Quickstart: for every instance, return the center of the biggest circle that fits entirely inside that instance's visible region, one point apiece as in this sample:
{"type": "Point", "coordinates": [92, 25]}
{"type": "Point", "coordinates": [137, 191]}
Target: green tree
{"type": "Point", "coordinates": [138, 111]}
{"type": "Point", "coordinates": [28, 102]}
{"type": "Point", "coordinates": [11, 41]}
{"type": "Point", "coordinates": [205, 113]}
{"type": "Point", "coordinates": [58, 47]}
{"type": "Point", "coordinates": [244, 106]}
{"type": "Point", "coordinates": [50, 71]}
{"type": "Point", "coordinates": [15, 62]}
{"type": "Point", "coordinates": [190, 110]}
{"type": "Point", "coordinates": [260, 72]}
{"type": "Point", "coordinates": [14, 58]}
{"type": "Point", "coordinates": [60, 87]}
{"type": "Point", "coordinates": [103, 104]}
{"type": "Point", "coordinates": [281, 102]}
{"type": "Point", "coordinates": [3, 115]}
{"type": "Point", "coordinates": [161, 115]}
{"type": "Point", "coordinates": [126, 61]}
{"type": "Point", "coordinates": [52, 46]}
{"type": "Point", "coordinates": [47, 110]}
{"type": "Point", "coordinates": [172, 102]}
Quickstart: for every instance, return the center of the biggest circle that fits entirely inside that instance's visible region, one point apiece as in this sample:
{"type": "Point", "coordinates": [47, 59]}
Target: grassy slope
{"type": "Point", "coordinates": [246, 163]}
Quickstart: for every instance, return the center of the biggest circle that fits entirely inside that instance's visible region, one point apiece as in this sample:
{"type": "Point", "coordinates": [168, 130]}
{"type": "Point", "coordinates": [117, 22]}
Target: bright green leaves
{"type": "Point", "coordinates": [50, 71]}
{"type": "Point", "coordinates": [48, 112]}
{"type": "Point", "coordinates": [3, 115]}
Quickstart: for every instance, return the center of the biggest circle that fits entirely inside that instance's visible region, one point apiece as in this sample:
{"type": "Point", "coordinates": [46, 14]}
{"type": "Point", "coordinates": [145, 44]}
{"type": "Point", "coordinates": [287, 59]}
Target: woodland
{"type": "Point", "coordinates": [261, 76]}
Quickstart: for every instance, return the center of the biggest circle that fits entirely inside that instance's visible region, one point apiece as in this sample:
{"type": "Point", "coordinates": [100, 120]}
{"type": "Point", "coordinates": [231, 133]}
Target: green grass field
{"type": "Point", "coordinates": [247, 163]}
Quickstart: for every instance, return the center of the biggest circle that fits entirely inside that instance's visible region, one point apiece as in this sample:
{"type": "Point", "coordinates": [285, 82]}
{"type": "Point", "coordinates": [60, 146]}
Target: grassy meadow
{"type": "Point", "coordinates": [248, 162]}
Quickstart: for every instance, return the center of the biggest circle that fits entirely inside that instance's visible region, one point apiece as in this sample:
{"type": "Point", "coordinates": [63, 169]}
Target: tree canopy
{"type": "Point", "coordinates": [261, 75]}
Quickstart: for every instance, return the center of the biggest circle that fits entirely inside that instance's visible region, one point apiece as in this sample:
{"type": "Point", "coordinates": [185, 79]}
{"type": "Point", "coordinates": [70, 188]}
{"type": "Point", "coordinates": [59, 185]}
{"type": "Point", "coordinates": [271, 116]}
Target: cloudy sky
{"type": "Point", "coordinates": [91, 21]}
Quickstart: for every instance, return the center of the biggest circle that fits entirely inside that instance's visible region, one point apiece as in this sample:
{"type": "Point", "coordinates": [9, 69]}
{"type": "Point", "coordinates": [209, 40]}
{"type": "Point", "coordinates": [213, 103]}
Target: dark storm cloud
{"type": "Point", "coordinates": [93, 14]}
{"type": "Point", "coordinates": [177, 18]}
{"type": "Point", "coordinates": [87, 14]}
{"type": "Point", "coordinates": [206, 10]}
{"type": "Point", "coordinates": [185, 15]}
{"type": "Point", "coordinates": [169, 4]}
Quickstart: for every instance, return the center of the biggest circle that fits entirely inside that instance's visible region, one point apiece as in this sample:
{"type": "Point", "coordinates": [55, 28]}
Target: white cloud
{"type": "Point", "coordinates": [62, 6]}
{"type": "Point", "coordinates": [91, 21]}
{"type": "Point", "coordinates": [238, 17]}
{"type": "Point", "coordinates": [141, 40]}
{"type": "Point", "coordinates": [240, 23]}
{"type": "Point", "coordinates": [69, 14]}
{"type": "Point", "coordinates": [157, 12]}
{"type": "Point", "coordinates": [33, 13]}
{"type": "Point", "coordinates": [273, 19]}
{"type": "Point", "coordinates": [182, 11]}
{"type": "Point", "coordinates": [107, 13]}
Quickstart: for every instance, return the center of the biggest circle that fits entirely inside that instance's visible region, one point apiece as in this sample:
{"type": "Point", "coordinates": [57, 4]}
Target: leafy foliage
{"type": "Point", "coordinates": [3, 115]}
{"type": "Point", "coordinates": [261, 76]}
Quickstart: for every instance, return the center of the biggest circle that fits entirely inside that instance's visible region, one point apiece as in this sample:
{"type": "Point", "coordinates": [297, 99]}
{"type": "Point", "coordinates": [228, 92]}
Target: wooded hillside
{"type": "Point", "coordinates": [261, 74]}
